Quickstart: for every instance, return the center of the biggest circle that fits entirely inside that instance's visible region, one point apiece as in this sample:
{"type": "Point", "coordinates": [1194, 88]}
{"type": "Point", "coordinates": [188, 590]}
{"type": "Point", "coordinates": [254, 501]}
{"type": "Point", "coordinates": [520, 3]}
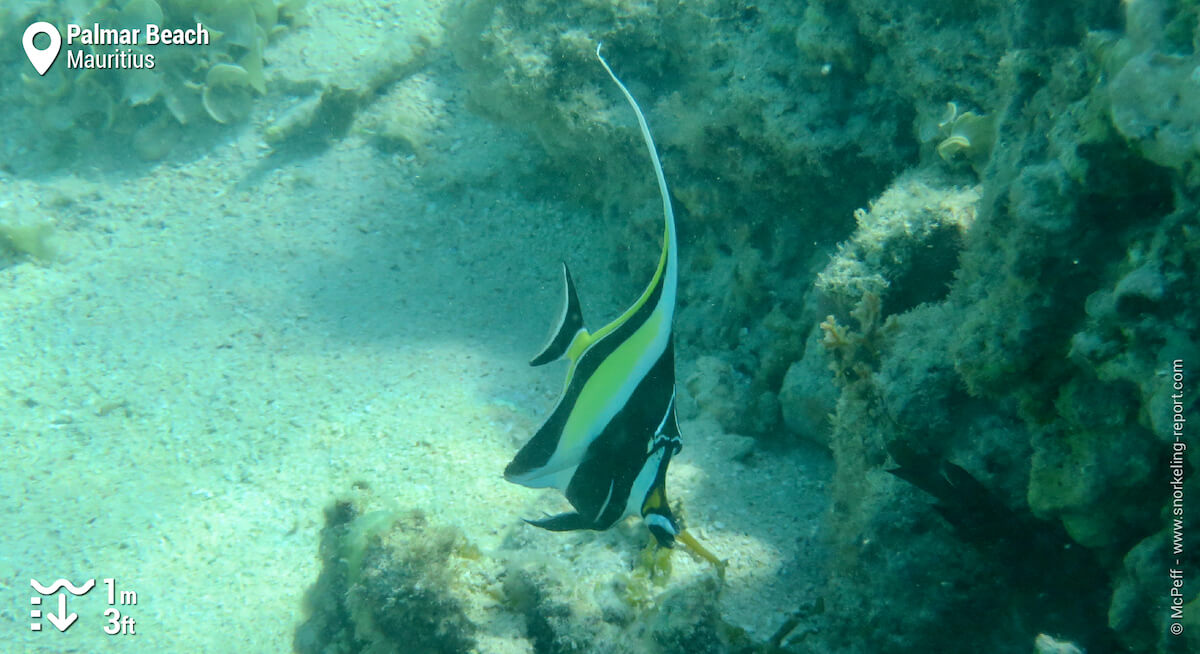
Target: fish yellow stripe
{"type": "Point", "coordinates": [614, 381]}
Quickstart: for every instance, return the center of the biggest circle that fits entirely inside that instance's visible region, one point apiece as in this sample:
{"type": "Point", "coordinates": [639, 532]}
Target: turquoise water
{"type": "Point", "coordinates": [266, 312]}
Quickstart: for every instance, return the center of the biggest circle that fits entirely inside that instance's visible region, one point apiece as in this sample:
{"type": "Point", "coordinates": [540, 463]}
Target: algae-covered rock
{"type": "Point", "coordinates": [552, 622]}
{"type": "Point", "coordinates": [392, 582]}
{"type": "Point", "coordinates": [906, 247]}
{"type": "Point", "coordinates": [1154, 92]}
{"type": "Point", "coordinates": [406, 595]}
{"type": "Point", "coordinates": [407, 116]}
{"type": "Point", "coordinates": [1156, 105]}
{"type": "Point", "coordinates": [688, 620]}
{"type": "Point", "coordinates": [808, 396]}
{"type": "Point", "coordinates": [634, 615]}
{"type": "Point", "coordinates": [1150, 594]}
{"type": "Point", "coordinates": [723, 392]}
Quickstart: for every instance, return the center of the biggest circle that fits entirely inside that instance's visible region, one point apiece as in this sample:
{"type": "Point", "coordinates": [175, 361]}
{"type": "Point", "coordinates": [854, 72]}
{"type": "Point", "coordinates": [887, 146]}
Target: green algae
{"type": "Point", "coordinates": [966, 135]}
{"type": "Point", "coordinates": [34, 240]}
{"type": "Point", "coordinates": [359, 534]}
{"type": "Point", "coordinates": [226, 95]}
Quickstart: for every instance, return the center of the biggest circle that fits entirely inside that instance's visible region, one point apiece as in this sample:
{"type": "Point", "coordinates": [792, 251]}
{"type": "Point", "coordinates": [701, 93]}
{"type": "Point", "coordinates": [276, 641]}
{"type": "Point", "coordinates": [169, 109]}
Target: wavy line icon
{"type": "Point", "coordinates": [62, 583]}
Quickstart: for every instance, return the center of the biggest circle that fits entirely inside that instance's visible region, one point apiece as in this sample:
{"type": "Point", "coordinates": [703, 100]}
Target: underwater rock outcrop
{"type": "Point", "coordinates": [1154, 91]}
{"type": "Point", "coordinates": [905, 248]}
{"type": "Point", "coordinates": [1042, 372]}
{"type": "Point", "coordinates": [391, 582]}
{"type": "Point", "coordinates": [395, 581]}
{"type": "Point", "coordinates": [903, 254]}
{"type": "Point", "coordinates": [635, 614]}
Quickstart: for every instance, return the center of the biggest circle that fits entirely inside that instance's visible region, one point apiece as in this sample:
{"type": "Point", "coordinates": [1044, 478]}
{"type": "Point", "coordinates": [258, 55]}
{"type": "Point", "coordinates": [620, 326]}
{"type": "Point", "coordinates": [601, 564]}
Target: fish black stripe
{"type": "Point", "coordinates": [541, 447]}
{"type": "Point", "coordinates": [618, 454]}
{"type": "Point", "coordinates": [568, 325]}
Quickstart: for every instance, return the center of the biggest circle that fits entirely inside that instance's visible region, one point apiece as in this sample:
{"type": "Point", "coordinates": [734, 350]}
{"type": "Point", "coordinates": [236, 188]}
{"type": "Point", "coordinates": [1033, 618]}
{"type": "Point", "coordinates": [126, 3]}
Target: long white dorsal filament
{"type": "Point", "coordinates": [658, 171]}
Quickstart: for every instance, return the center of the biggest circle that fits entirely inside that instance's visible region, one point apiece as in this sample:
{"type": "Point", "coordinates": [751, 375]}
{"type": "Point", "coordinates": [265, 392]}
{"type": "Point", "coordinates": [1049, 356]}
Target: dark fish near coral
{"type": "Point", "coordinates": [1062, 586]}
{"type": "Point", "coordinates": [608, 441]}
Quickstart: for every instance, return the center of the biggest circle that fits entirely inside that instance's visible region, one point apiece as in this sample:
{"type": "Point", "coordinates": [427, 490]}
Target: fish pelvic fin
{"type": "Point", "coordinates": [564, 522]}
{"type": "Point", "coordinates": [568, 330]}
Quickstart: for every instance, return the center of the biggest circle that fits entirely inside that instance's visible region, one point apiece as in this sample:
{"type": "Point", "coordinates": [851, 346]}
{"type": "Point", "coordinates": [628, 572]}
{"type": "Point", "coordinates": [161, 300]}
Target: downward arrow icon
{"type": "Point", "coordinates": [62, 621]}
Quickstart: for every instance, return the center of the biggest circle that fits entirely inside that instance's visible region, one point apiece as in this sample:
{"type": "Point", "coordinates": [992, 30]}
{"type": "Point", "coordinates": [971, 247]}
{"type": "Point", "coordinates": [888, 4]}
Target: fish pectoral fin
{"type": "Point", "coordinates": [567, 328]}
{"type": "Point", "coordinates": [563, 522]}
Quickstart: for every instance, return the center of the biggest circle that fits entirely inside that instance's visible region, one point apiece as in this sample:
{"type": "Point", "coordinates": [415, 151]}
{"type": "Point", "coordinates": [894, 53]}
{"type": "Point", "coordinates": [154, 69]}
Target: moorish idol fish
{"type": "Point", "coordinates": [608, 441]}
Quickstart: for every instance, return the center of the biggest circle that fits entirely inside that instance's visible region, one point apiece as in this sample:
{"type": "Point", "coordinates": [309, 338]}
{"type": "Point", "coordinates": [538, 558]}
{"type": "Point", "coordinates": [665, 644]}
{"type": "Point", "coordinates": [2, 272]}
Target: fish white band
{"type": "Point", "coordinates": [656, 520]}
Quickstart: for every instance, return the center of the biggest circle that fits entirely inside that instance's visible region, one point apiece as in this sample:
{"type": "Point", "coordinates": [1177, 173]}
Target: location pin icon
{"type": "Point", "coordinates": [42, 59]}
